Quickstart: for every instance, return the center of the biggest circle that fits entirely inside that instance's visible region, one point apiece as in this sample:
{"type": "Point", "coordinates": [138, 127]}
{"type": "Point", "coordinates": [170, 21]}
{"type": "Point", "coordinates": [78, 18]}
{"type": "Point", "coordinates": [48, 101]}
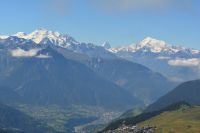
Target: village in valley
{"type": "Point", "coordinates": [133, 129]}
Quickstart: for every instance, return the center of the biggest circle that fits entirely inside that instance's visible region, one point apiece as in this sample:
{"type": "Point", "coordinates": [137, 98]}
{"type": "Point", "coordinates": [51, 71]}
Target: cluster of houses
{"type": "Point", "coordinates": [133, 129]}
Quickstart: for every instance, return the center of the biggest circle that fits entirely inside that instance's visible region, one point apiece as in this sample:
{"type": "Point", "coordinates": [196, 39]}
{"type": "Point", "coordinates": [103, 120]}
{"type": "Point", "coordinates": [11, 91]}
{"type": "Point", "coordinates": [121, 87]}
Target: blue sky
{"type": "Point", "coordinates": [104, 20]}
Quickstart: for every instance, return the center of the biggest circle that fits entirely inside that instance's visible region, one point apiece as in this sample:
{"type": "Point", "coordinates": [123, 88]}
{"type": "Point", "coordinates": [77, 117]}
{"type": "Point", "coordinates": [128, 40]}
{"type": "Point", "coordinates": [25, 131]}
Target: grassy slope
{"type": "Point", "coordinates": [181, 121]}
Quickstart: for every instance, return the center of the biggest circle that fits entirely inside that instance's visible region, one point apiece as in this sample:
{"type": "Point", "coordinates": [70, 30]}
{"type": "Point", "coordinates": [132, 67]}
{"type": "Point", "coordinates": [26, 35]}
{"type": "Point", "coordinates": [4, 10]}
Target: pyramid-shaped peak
{"type": "Point", "coordinates": [106, 45]}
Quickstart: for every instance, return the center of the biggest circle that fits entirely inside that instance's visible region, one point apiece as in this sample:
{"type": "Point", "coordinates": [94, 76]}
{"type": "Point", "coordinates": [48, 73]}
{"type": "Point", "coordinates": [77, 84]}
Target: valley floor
{"type": "Point", "coordinates": [70, 119]}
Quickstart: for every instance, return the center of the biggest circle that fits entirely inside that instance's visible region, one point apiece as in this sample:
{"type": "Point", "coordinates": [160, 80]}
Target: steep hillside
{"type": "Point", "coordinates": [188, 92]}
{"type": "Point", "coordinates": [184, 120]}
{"type": "Point", "coordinates": [14, 121]}
{"type": "Point", "coordinates": [140, 81]}
{"type": "Point", "coordinates": [176, 117]}
{"type": "Point", "coordinates": [49, 78]}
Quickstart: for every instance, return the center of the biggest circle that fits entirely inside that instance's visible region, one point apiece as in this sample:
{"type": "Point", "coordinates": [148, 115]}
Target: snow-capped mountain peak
{"type": "Point", "coordinates": [128, 48]}
{"type": "Point", "coordinates": [40, 34]}
{"type": "Point", "coordinates": [20, 34]}
{"type": "Point", "coordinates": [153, 43]}
{"type": "Point", "coordinates": [106, 45]}
{"type": "Point", "coordinates": [3, 37]}
{"type": "Point", "coordinates": [148, 44]}
{"type": "Point", "coordinates": [43, 35]}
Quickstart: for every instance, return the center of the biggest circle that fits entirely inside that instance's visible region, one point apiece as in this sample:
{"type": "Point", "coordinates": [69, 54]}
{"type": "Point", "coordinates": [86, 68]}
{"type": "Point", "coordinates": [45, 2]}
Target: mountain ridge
{"type": "Point", "coordinates": [177, 63]}
{"type": "Point", "coordinates": [97, 58]}
{"type": "Point", "coordinates": [153, 45]}
{"type": "Point", "coordinates": [187, 91]}
{"type": "Point", "coordinates": [41, 78]}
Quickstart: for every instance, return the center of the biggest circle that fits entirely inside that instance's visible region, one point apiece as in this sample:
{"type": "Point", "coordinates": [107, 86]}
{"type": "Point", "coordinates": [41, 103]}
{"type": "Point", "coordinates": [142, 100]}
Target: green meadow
{"type": "Point", "coordinates": [184, 120]}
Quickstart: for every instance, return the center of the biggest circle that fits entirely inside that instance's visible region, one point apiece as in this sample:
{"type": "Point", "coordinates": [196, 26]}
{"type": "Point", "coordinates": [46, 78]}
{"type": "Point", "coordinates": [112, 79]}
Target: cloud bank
{"type": "Point", "coordinates": [29, 53]}
{"type": "Point", "coordinates": [124, 5]}
{"type": "Point", "coordinates": [193, 62]}
{"type": "Point", "coordinates": [42, 56]}
{"type": "Point", "coordinates": [62, 7]}
{"type": "Point", "coordinates": [163, 58]}
{"type": "Point", "coordinates": [22, 53]}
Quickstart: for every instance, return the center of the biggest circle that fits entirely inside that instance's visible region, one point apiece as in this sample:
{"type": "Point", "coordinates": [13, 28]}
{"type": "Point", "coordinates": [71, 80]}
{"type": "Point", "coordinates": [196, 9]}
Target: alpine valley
{"type": "Point", "coordinates": [58, 84]}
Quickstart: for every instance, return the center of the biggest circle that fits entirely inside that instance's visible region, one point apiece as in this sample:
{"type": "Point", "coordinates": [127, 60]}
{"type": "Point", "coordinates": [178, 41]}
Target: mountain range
{"type": "Point", "coordinates": [46, 68]}
{"type": "Point", "coordinates": [43, 36]}
{"type": "Point", "coordinates": [43, 76]}
{"type": "Point", "coordinates": [178, 63]}
{"type": "Point", "coordinates": [83, 73]}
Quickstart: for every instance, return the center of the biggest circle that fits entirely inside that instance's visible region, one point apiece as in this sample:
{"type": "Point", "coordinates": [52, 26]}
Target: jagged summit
{"type": "Point", "coordinates": [20, 34]}
{"type": "Point", "coordinates": [149, 45]}
{"type": "Point", "coordinates": [39, 35]}
{"type": "Point", "coordinates": [106, 45]}
{"type": "Point", "coordinates": [43, 37]}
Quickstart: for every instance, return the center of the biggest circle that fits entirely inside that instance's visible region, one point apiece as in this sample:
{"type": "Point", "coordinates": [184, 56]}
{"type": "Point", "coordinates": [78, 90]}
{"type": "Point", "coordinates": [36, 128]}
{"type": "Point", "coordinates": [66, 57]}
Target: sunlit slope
{"type": "Point", "coordinates": [184, 120]}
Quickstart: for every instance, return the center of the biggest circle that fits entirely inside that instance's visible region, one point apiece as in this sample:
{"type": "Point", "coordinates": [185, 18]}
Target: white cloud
{"type": "Point", "coordinates": [29, 53]}
{"type": "Point", "coordinates": [42, 56]}
{"type": "Point", "coordinates": [3, 37]}
{"type": "Point", "coordinates": [163, 58]}
{"type": "Point", "coordinates": [22, 53]}
{"type": "Point", "coordinates": [193, 62]}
